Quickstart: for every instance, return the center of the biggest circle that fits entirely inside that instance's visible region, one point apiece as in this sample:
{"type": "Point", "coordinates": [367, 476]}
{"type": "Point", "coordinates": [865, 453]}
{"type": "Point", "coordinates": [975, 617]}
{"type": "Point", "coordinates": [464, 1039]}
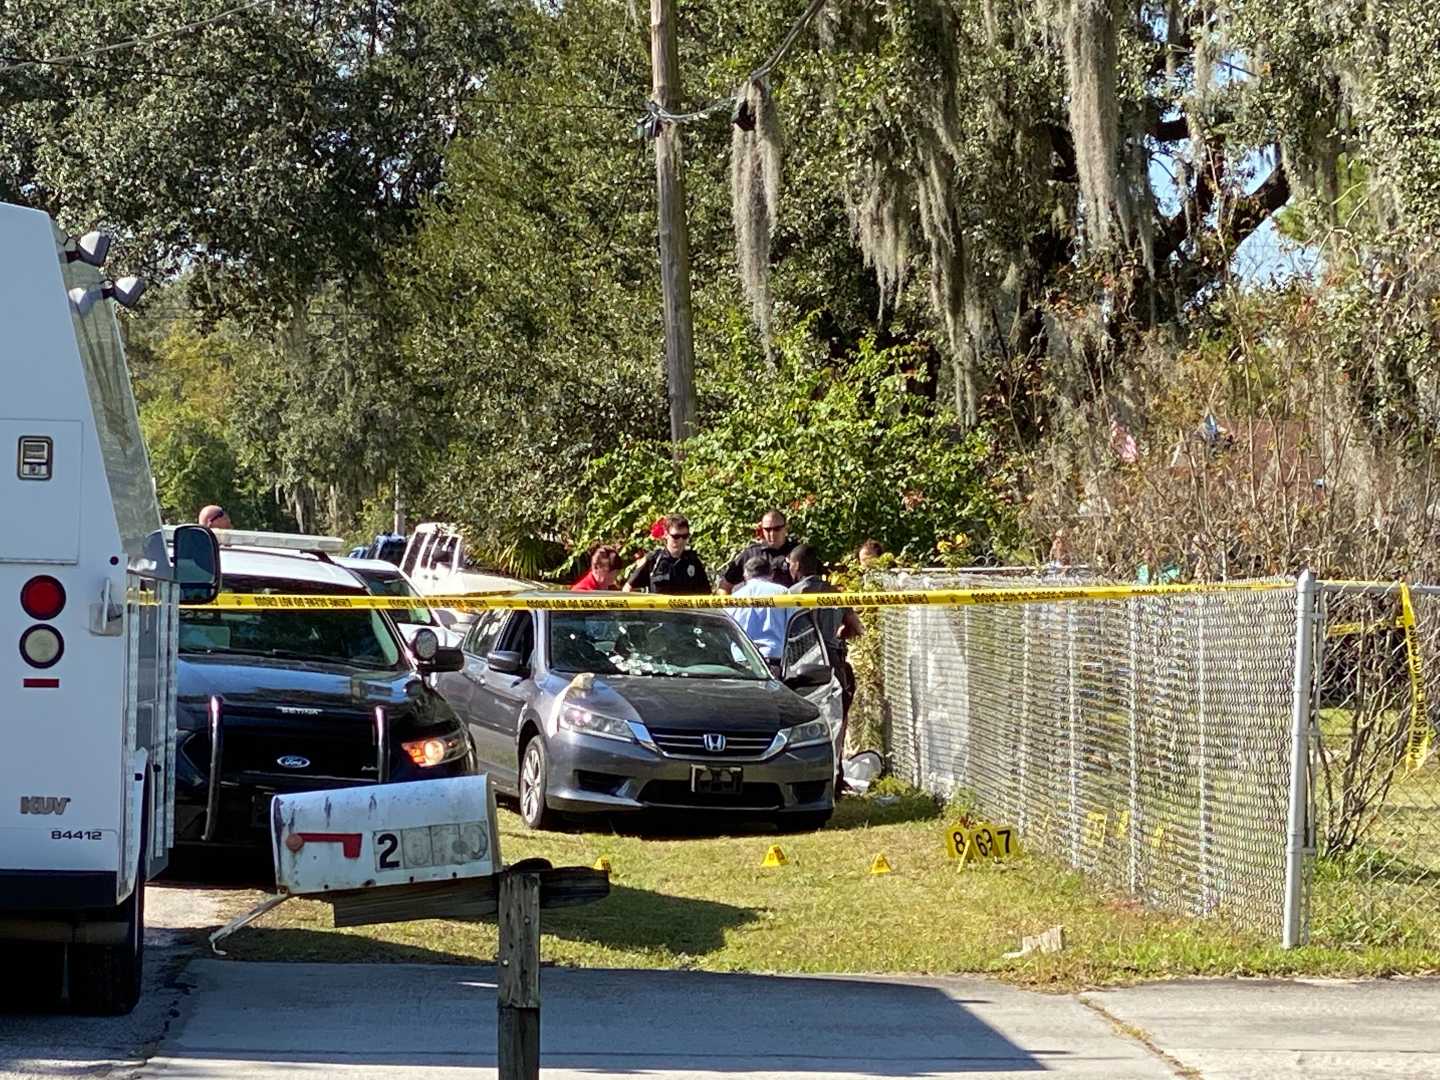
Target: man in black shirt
{"type": "Point", "coordinates": [776, 548]}
{"type": "Point", "coordinates": [673, 568]}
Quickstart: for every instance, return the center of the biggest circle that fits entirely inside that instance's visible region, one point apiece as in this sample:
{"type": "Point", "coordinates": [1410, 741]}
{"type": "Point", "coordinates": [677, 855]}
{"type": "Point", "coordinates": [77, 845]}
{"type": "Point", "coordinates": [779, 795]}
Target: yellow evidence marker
{"type": "Point", "coordinates": [881, 865]}
{"type": "Point", "coordinates": [775, 857]}
{"type": "Point", "coordinates": [603, 863]}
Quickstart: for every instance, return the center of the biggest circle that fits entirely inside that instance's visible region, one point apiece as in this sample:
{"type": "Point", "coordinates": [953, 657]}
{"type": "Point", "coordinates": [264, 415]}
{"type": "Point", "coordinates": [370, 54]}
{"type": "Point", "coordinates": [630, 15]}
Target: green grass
{"type": "Point", "coordinates": [702, 900]}
{"type": "Point", "coordinates": [1386, 891]}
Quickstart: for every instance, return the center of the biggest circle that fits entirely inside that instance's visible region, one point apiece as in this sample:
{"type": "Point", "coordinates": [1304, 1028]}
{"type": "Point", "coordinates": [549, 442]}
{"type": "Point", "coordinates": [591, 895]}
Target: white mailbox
{"type": "Point", "coordinates": [386, 834]}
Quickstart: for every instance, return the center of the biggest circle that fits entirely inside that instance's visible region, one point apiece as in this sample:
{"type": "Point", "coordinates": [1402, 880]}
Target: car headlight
{"type": "Point", "coordinates": [807, 734]}
{"type": "Point", "coordinates": [581, 719]}
{"type": "Point", "coordinates": [427, 753]}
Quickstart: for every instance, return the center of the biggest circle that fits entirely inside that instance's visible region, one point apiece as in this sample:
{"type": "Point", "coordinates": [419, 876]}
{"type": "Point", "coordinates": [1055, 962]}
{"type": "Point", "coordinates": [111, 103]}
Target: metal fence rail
{"type": "Point", "coordinates": [1145, 741]}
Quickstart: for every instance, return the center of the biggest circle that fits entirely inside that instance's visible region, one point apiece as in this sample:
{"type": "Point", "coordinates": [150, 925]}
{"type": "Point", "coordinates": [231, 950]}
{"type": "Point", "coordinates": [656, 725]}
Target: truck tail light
{"type": "Point", "coordinates": [42, 646]}
{"type": "Point", "coordinates": [42, 597]}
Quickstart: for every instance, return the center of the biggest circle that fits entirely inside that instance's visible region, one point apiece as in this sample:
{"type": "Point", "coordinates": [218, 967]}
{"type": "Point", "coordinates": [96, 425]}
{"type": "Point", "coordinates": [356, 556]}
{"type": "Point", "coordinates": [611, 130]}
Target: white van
{"type": "Point", "coordinates": [88, 595]}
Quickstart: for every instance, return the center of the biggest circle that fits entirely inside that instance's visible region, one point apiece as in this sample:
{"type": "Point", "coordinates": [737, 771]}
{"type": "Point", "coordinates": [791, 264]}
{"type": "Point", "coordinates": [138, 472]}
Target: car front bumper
{"type": "Point", "coordinates": [591, 774]}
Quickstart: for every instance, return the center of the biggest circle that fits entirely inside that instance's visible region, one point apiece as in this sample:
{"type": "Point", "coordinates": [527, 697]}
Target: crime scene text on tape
{"type": "Point", "coordinates": [566, 601]}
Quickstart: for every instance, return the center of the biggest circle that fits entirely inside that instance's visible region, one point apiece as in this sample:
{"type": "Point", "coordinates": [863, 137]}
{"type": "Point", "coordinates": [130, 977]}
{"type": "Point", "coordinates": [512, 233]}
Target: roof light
{"type": "Point", "coordinates": [92, 248]}
{"type": "Point", "coordinates": [83, 299]}
{"type": "Point", "coordinates": [125, 291]}
{"type": "Point", "coordinates": [251, 538]}
{"type": "Point", "coordinates": [42, 597]}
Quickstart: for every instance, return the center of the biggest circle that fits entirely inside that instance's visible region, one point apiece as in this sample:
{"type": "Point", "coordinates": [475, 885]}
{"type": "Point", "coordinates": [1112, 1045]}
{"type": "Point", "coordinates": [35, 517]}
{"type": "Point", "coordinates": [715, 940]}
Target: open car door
{"type": "Point", "coordinates": [804, 650]}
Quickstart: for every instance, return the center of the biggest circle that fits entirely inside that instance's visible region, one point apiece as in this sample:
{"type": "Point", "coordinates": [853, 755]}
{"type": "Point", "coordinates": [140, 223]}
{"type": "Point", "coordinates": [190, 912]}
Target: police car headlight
{"type": "Point", "coordinates": [807, 734]}
{"type": "Point", "coordinates": [592, 723]}
{"type": "Point", "coordinates": [428, 753]}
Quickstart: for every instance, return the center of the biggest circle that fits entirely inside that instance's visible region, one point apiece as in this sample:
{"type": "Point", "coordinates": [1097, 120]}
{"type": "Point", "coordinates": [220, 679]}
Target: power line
{"type": "Point", "coordinates": [789, 40]}
{"type": "Point", "coordinates": [130, 43]}
{"type": "Point", "coordinates": [659, 114]}
{"type": "Point", "coordinates": [232, 77]}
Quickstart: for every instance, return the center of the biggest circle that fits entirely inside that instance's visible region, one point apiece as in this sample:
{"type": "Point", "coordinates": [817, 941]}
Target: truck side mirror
{"type": "Point", "coordinates": [197, 564]}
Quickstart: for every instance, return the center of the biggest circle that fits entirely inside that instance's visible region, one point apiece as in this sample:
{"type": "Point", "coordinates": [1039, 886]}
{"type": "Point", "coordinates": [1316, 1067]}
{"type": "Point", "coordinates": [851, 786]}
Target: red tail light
{"type": "Point", "coordinates": [42, 597]}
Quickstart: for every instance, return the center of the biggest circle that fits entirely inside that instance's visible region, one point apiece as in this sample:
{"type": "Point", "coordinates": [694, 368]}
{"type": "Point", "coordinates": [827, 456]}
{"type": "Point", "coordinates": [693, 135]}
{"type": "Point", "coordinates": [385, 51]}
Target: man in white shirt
{"type": "Point", "coordinates": [765, 626]}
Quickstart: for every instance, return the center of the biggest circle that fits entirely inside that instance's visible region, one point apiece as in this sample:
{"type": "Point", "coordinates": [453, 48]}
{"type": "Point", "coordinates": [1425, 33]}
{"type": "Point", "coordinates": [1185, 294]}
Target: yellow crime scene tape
{"type": "Point", "coordinates": [568, 601]}
{"type": "Point", "coordinates": [1418, 748]}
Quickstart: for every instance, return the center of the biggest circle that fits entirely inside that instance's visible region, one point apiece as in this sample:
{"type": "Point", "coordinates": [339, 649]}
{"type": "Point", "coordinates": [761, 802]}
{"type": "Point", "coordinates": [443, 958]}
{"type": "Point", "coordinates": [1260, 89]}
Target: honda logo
{"type": "Point", "coordinates": [714, 743]}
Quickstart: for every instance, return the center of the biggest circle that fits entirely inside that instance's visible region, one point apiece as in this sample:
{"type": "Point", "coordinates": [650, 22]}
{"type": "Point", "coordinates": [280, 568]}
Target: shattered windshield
{"type": "Point", "coordinates": [667, 643]}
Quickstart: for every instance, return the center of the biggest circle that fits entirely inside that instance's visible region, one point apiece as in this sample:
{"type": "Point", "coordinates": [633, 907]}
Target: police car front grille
{"type": "Point", "coordinates": [691, 744]}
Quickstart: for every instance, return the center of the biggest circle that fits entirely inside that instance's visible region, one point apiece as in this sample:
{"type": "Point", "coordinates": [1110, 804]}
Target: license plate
{"type": "Point", "coordinates": [715, 781]}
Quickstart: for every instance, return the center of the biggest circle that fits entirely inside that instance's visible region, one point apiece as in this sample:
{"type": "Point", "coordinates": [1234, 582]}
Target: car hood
{"type": "Point", "coordinates": [258, 681]}
{"type": "Point", "coordinates": [698, 704]}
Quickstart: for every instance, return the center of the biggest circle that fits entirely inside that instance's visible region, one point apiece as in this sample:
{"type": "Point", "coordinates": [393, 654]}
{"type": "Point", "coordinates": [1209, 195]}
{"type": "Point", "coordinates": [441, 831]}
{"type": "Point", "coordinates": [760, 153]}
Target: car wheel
{"type": "Point", "coordinates": [534, 770]}
{"type": "Point", "coordinates": [105, 980]}
{"type": "Point", "coordinates": [808, 821]}
{"type": "Point", "coordinates": [43, 965]}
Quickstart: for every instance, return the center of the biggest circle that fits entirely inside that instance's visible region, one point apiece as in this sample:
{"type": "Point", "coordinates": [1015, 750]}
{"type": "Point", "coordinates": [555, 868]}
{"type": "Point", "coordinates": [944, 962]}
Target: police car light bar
{"type": "Point", "coordinates": [331, 545]}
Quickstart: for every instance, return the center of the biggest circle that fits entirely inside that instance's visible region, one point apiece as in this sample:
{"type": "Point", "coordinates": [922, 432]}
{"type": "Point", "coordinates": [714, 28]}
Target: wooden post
{"type": "Point", "coordinates": [518, 976]}
{"type": "Point", "coordinates": [674, 232]}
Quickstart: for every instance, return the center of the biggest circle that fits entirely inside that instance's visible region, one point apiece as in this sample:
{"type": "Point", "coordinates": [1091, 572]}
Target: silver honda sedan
{"type": "Point", "coordinates": [606, 711]}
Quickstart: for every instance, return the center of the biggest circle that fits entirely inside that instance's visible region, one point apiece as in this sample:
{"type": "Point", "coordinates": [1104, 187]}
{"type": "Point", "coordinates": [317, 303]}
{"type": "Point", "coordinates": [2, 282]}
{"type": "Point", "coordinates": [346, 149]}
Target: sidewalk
{"type": "Point", "coordinates": [210, 1019]}
{"type": "Point", "coordinates": [404, 1020]}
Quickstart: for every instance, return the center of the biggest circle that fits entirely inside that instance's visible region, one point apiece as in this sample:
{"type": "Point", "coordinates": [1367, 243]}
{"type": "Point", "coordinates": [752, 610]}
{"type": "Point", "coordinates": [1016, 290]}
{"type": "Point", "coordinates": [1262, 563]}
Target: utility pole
{"type": "Point", "coordinates": [674, 232]}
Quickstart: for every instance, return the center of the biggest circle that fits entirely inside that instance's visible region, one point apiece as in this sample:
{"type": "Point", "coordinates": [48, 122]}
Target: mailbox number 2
{"type": "Point", "coordinates": [388, 843]}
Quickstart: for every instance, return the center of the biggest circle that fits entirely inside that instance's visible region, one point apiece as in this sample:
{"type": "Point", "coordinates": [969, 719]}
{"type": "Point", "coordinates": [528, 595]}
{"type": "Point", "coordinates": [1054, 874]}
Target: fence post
{"type": "Point", "coordinates": [1202, 709]}
{"type": "Point", "coordinates": [1072, 680]}
{"type": "Point", "coordinates": [1137, 824]}
{"type": "Point", "coordinates": [967, 730]}
{"type": "Point", "coordinates": [1305, 590]}
{"type": "Point", "coordinates": [518, 977]}
{"type": "Point", "coordinates": [1027, 714]}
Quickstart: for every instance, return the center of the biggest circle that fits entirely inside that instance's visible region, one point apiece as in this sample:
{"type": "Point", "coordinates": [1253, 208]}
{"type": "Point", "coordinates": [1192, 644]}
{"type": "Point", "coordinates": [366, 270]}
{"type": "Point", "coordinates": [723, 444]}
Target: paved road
{"type": "Point", "coordinates": [208, 1019]}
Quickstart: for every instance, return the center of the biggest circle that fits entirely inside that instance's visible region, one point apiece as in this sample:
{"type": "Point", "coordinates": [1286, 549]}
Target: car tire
{"type": "Point", "coordinates": [43, 965]}
{"type": "Point", "coordinates": [808, 821]}
{"type": "Point", "coordinates": [533, 784]}
{"type": "Point", "coordinates": [106, 980]}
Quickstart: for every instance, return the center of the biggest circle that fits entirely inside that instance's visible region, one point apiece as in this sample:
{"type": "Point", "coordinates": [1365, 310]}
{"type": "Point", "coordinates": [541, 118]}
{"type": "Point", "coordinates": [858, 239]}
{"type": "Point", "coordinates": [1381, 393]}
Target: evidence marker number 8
{"type": "Point", "coordinates": [982, 841]}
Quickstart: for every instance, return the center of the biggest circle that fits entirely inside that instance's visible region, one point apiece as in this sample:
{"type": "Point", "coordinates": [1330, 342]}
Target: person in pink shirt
{"type": "Point", "coordinates": [604, 572]}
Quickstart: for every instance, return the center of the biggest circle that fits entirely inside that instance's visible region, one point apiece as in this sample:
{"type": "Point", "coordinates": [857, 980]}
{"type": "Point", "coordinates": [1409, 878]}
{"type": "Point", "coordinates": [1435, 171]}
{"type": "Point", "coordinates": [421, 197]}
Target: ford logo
{"type": "Point", "coordinates": [293, 761]}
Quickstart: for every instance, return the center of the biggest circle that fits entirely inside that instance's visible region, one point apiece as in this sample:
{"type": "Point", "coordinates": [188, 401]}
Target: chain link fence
{"type": "Point", "coordinates": [1146, 741]}
{"type": "Point", "coordinates": [1373, 821]}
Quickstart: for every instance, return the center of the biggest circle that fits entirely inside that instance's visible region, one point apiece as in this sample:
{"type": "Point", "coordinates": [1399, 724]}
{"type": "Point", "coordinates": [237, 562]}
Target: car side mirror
{"type": "Point", "coordinates": [505, 662]}
{"type": "Point", "coordinates": [197, 564]}
{"type": "Point", "coordinates": [808, 676]}
{"type": "Point", "coordinates": [445, 659]}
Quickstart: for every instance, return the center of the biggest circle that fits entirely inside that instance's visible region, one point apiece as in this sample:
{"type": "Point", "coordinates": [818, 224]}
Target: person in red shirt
{"type": "Point", "coordinates": [604, 572]}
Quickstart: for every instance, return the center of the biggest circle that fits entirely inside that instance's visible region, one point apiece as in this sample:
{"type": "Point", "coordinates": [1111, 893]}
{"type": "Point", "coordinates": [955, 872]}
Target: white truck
{"type": "Point", "coordinates": [88, 595]}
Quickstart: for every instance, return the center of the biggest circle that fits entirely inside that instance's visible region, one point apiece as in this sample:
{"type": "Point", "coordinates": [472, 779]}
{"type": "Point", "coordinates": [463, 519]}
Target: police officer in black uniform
{"type": "Point", "coordinates": [775, 547]}
{"type": "Point", "coordinates": [673, 568]}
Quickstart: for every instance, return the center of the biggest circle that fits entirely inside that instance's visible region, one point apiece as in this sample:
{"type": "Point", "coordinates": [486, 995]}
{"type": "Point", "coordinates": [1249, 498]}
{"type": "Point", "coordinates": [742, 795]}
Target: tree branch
{"type": "Point", "coordinates": [1251, 211]}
